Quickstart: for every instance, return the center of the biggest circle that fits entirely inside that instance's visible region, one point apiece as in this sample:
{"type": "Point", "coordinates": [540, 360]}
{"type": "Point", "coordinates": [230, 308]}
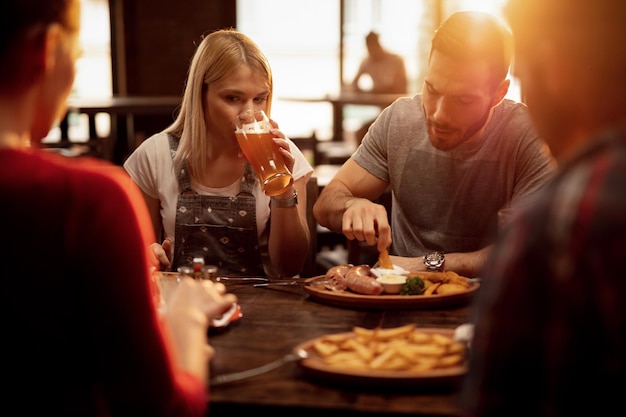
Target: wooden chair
{"type": "Point", "coordinates": [308, 146]}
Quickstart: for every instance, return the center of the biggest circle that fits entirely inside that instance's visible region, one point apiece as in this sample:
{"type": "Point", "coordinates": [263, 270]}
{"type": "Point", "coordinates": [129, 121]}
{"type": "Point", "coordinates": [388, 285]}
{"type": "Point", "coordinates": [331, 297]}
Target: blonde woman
{"type": "Point", "coordinates": [203, 197]}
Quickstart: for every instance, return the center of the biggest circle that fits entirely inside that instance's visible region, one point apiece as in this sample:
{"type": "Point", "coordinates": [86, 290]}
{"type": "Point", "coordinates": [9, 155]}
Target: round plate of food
{"type": "Point", "coordinates": [405, 356]}
{"type": "Point", "coordinates": [435, 294]}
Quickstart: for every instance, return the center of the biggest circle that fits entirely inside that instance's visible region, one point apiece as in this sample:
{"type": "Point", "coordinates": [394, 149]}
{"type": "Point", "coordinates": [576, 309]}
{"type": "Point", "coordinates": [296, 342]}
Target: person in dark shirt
{"type": "Point", "coordinates": [550, 318]}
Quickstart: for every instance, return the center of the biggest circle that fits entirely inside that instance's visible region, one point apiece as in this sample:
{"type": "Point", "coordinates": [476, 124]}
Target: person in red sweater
{"type": "Point", "coordinates": [81, 332]}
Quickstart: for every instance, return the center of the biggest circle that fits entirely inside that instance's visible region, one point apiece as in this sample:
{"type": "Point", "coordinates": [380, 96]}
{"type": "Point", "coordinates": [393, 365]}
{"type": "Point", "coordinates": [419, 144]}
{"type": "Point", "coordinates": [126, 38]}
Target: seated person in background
{"type": "Point", "coordinates": [80, 323]}
{"type": "Point", "coordinates": [452, 156]}
{"type": "Point", "coordinates": [386, 73]}
{"type": "Point", "coordinates": [385, 70]}
{"type": "Point", "coordinates": [198, 158]}
{"type": "Point", "coordinates": [550, 320]}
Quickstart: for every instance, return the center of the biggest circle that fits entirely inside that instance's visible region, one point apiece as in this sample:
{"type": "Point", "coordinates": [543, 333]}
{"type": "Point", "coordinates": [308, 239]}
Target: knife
{"type": "Point", "coordinates": [292, 282]}
{"type": "Point", "coordinates": [240, 279]}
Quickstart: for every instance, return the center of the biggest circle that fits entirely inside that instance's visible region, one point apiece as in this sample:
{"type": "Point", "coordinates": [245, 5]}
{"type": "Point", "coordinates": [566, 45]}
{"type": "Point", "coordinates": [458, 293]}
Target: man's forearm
{"type": "Point", "coordinates": [469, 264]}
{"type": "Point", "coordinates": [330, 206]}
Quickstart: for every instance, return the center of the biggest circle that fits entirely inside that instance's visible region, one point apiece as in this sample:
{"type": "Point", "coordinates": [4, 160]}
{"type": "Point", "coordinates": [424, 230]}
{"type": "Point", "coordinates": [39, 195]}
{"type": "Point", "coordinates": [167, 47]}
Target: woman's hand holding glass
{"type": "Point", "coordinates": [256, 136]}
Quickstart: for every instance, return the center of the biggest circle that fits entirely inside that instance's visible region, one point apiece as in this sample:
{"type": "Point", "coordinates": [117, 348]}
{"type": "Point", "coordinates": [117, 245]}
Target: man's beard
{"type": "Point", "coordinates": [447, 145]}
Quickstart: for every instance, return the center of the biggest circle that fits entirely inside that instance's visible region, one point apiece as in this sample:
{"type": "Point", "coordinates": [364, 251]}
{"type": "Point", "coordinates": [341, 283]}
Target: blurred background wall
{"type": "Point", "coordinates": [143, 47]}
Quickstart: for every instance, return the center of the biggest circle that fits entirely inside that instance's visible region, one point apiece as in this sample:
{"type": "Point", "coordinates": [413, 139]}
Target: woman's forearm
{"type": "Point", "coordinates": [289, 235]}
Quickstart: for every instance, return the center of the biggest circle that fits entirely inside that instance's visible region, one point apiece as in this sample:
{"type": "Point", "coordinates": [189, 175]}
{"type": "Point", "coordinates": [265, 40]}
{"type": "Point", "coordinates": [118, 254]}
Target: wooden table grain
{"type": "Point", "coordinates": [275, 320]}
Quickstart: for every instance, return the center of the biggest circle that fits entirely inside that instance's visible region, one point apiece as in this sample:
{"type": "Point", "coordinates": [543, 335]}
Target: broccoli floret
{"type": "Point", "coordinates": [413, 286]}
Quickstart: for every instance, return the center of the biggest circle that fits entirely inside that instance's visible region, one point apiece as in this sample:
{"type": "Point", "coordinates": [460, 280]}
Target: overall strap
{"type": "Point", "coordinates": [184, 182]}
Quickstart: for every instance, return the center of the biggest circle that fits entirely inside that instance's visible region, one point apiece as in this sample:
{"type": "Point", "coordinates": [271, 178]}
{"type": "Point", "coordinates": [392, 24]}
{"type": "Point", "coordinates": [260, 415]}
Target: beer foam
{"type": "Point", "coordinates": [254, 127]}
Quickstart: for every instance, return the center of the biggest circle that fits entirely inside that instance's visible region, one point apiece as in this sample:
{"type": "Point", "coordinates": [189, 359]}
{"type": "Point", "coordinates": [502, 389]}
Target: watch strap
{"type": "Point", "coordinates": [284, 203]}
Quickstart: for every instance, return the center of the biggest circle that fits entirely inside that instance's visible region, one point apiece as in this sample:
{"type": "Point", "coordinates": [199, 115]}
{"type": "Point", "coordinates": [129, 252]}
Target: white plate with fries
{"type": "Point", "coordinates": [405, 356]}
{"type": "Point", "coordinates": [387, 301]}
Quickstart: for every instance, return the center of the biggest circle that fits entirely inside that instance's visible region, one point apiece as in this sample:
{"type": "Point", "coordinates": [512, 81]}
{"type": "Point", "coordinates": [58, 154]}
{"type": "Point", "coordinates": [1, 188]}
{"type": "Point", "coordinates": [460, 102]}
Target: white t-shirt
{"type": "Point", "coordinates": [151, 167]}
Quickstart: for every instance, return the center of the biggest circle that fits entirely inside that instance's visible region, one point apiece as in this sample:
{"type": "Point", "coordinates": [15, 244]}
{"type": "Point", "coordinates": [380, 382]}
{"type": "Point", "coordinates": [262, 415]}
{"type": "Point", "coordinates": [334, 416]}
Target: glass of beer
{"type": "Point", "coordinates": [252, 129]}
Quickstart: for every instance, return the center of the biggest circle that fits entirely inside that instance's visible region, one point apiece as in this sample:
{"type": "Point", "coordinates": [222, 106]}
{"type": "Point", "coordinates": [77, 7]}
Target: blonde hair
{"type": "Point", "coordinates": [216, 56]}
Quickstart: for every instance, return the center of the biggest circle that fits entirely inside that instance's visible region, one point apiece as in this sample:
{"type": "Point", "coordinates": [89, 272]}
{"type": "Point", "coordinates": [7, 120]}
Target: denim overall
{"type": "Point", "coordinates": [222, 230]}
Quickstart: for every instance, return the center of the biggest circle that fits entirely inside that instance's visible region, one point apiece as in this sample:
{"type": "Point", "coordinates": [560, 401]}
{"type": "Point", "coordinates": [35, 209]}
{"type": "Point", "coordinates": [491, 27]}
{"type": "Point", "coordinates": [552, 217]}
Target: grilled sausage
{"type": "Point", "coordinates": [360, 280]}
{"type": "Point", "coordinates": [335, 279]}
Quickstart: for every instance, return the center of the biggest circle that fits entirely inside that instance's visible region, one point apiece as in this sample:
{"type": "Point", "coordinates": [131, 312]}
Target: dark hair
{"type": "Point", "coordinates": [19, 17]}
{"type": "Point", "coordinates": [477, 36]}
{"type": "Point", "coordinates": [372, 37]}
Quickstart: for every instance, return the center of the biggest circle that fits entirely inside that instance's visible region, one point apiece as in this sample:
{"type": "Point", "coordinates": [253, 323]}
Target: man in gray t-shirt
{"type": "Point", "coordinates": [452, 156]}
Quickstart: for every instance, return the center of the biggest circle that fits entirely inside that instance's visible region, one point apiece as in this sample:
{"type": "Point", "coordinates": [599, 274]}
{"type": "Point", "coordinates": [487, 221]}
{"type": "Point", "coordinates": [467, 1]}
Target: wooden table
{"type": "Point", "coordinates": [275, 320]}
{"type": "Point", "coordinates": [120, 108]}
{"type": "Point", "coordinates": [348, 98]}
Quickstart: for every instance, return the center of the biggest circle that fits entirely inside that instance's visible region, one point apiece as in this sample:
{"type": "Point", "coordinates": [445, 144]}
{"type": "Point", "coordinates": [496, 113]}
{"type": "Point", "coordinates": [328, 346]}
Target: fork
{"type": "Point", "coordinates": [241, 279]}
{"type": "Point", "coordinates": [293, 282]}
{"type": "Point", "coordinates": [238, 376]}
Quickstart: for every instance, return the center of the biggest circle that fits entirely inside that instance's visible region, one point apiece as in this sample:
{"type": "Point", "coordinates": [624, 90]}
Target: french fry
{"type": "Point", "coordinates": [450, 288]}
{"type": "Point", "coordinates": [345, 359]}
{"type": "Point", "coordinates": [441, 276]}
{"type": "Point", "coordinates": [432, 289]}
{"type": "Point", "coordinates": [450, 360]}
{"type": "Point", "coordinates": [394, 332]}
{"type": "Point", "coordinates": [441, 340]}
{"type": "Point", "coordinates": [379, 360]}
{"type": "Point", "coordinates": [363, 332]}
{"type": "Point", "coordinates": [403, 348]}
{"type": "Point", "coordinates": [429, 350]}
{"type": "Point", "coordinates": [324, 348]}
{"type": "Point", "coordinates": [361, 350]}
{"type": "Point", "coordinates": [396, 363]}
{"type": "Point", "coordinates": [384, 260]}
{"type": "Point", "coordinates": [455, 278]}
{"type": "Point", "coordinates": [456, 347]}
{"type": "Point", "coordinates": [420, 337]}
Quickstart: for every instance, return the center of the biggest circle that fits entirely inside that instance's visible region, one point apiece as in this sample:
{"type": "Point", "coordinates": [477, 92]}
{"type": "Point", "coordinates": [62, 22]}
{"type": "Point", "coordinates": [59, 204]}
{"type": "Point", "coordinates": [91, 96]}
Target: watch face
{"type": "Point", "coordinates": [434, 260]}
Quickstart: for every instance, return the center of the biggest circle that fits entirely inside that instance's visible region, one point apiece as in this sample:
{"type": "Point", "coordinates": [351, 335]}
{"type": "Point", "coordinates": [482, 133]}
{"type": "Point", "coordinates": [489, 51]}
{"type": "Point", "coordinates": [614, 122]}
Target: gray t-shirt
{"type": "Point", "coordinates": [449, 200]}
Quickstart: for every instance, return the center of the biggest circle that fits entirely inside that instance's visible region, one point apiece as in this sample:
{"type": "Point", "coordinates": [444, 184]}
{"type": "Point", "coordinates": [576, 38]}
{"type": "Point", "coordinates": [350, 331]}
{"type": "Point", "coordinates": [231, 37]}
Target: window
{"type": "Point", "coordinates": [302, 42]}
{"type": "Point", "coordinates": [93, 75]}
{"type": "Point", "coordinates": [93, 68]}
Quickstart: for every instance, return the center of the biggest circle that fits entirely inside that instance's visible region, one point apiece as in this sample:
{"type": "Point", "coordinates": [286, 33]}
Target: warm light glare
{"type": "Point", "coordinates": [304, 52]}
{"type": "Point", "coordinates": [306, 63]}
{"type": "Point", "coordinates": [93, 69]}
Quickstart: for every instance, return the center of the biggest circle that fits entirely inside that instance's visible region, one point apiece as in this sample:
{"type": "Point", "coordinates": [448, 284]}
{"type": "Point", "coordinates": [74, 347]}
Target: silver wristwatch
{"type": "Point", "coordinates": [289, 202]}
{"type": "Point", "coordinates": [434, 261]}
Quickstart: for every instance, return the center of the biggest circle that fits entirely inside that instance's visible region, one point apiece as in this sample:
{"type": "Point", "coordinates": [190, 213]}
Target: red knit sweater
{"type": "Point", "coordinates": [80, 331]}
